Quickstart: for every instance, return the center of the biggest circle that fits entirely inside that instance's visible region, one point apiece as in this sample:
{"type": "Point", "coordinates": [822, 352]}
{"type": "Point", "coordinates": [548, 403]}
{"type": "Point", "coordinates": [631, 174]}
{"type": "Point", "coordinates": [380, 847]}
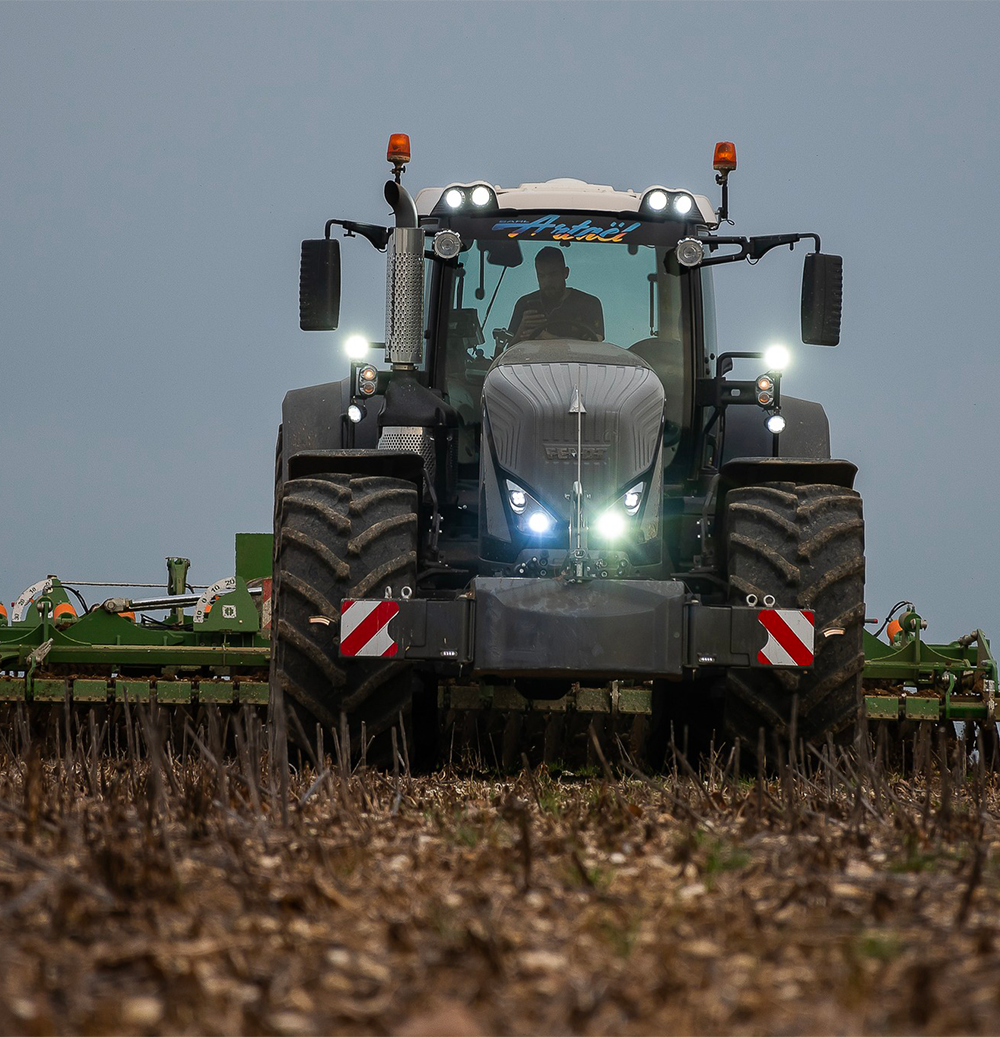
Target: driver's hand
{"type": "Point", "coordinates": [532, 323]}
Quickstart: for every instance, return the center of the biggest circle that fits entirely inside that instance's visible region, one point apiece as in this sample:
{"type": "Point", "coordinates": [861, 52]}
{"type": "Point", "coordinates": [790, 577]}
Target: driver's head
{"type": "Point", "coordinates": [551, 272]}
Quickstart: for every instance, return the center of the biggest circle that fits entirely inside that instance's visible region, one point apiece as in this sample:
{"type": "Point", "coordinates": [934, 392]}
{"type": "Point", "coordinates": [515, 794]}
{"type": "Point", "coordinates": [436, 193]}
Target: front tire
{"type": "Point", "coordinates": [337, 537]}
{"type": "Point", "coordinates": [803, 544]}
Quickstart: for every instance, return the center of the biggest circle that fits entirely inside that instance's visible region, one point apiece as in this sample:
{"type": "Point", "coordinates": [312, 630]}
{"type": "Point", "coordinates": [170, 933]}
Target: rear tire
{"type": "Point", "coordinates": [803, 544]}
{"type": "Point", "coordinates": [337, 537]}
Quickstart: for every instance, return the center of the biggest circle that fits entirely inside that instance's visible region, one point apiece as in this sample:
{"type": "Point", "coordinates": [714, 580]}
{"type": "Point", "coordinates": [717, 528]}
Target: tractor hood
{"type": "Point", "coordinates": [532, 421]}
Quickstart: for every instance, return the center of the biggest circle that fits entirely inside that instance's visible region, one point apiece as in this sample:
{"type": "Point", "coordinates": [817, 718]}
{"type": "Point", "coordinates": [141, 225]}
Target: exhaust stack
{"type": "Point", "coordinates": [404, 298]}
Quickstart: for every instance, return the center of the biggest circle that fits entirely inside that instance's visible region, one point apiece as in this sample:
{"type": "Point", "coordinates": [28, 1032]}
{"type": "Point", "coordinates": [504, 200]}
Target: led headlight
{"type": "Point", "coordinates": [453, 198]}
{"type": "Point", "coordinates": [683, 204]}
{"type": "Point", "coordinates": [657, 200]}
{"type": "Point", "coordinates": [481, 195]}
{"type": "Point", "coordinates": [447, 244]}
{"type": "Point", "coordinates": [610, 525]}
{"type": "Point", "coordinates": [355, 413]}
{"type": "Point", "coordinates": [517, 497]}
{"type": "Point", "coordinates": [775, 424]}
{"type": "Point", "coordinates": [689, 252]}
{"type": "Point", "coordinates": [613, 523]}
{"type": "Point", "coordinates": [529, 515]}
{"type": "Point", "coordinates": [633, 498]}
{"type": "Point", "coordinates": [540, 522]}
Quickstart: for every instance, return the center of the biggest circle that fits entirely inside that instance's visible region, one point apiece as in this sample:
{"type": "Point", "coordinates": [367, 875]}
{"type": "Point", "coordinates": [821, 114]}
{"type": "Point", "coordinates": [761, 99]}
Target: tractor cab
{"type": "Point", "coordinates": [535, 266]}
{"type": "Point", "coordinates": [547, 293]}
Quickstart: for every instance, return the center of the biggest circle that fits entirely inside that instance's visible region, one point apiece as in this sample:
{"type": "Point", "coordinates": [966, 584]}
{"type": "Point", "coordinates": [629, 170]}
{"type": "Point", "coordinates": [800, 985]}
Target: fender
{"type": "Point", "coordinates": [755, 471]}
{"type": "Point", "coordinates": [807, 431]}
{"type": "Point", "coordinates": [397, 464]}
{"type": "Point", "coordinates": [311, 419]}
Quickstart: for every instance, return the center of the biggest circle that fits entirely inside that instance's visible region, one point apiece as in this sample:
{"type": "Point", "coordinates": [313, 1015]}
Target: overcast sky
{"type": "Point", "coordinates": [160, 162]}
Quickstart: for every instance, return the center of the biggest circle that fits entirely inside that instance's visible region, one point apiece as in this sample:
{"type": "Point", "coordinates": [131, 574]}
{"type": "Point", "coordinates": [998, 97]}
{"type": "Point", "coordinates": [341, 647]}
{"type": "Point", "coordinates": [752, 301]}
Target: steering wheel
{"type": "Point", "coordinates": [589, 334]}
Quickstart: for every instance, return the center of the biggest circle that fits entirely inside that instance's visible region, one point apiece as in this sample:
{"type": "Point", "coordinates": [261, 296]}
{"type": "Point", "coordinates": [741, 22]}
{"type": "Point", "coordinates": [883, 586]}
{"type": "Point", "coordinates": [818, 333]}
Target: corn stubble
{"type": "Point", "coordinates": [210, 884]}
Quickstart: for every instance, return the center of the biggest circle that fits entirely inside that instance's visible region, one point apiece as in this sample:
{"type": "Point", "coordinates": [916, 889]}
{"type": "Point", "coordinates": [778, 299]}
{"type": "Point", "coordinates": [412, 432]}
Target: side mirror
{"type": "Point", "coordinates": [319, 285]}
{"type": "Point", "coordinates": [822, 299]}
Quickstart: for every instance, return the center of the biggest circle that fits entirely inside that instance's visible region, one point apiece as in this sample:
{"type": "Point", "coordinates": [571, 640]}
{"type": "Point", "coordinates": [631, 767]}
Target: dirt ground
{"type": "Point", "coordinates": [150, 893]}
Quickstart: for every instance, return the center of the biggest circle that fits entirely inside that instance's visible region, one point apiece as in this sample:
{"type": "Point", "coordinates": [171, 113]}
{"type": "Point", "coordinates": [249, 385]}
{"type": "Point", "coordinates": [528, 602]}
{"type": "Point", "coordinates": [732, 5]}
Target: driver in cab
{"type": "Point", "coordinates": [555, 311]}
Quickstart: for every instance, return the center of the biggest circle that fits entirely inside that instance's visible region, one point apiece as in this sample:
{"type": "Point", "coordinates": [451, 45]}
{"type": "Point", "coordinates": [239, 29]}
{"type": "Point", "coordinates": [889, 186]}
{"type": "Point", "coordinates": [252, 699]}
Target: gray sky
{"type": "Point", "coordinates": [160, 162]}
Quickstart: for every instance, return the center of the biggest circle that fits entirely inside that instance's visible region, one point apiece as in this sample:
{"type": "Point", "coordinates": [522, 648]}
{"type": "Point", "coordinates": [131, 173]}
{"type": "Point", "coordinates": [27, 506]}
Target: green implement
{"type": "Point", "coordinates": [218, 653]}
{"type": "Point", "coordinates": [909, 679]}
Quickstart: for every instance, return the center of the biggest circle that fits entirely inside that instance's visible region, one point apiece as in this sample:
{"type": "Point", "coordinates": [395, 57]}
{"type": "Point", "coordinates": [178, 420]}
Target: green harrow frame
{"type": "Point", "coordinates": [217, 654]}
{"type": "Point", "coordinates": [911, 680]}
{"type": "Point", "coordinates": [220, 655]}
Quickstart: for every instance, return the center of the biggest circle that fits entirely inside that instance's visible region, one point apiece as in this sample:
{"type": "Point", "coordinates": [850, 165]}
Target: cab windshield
{"type": "Point", "coordinates": [510, 286]}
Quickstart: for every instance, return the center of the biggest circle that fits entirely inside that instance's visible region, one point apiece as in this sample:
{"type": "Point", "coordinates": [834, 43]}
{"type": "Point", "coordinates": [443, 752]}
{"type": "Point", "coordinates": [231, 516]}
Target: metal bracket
{"type": "Point", "coordinates": [38, 655]}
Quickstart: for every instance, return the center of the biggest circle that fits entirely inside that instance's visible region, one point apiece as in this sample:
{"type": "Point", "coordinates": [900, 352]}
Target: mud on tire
{"type": "Point", "coordinates": [336, 537]}
{"type": "Point", "coordinates": [804, 544]}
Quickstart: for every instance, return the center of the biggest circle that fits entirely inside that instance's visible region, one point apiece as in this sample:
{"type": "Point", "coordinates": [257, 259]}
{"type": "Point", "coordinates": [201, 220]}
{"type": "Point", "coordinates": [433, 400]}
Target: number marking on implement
{"type": "Point", "coordinates": [364, 628]}
{"type": "Point", "coordinates": [790, 637]}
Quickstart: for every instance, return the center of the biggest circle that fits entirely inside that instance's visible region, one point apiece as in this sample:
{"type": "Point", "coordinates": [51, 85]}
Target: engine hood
{"type": "Point", "coordinates": [528, 393]}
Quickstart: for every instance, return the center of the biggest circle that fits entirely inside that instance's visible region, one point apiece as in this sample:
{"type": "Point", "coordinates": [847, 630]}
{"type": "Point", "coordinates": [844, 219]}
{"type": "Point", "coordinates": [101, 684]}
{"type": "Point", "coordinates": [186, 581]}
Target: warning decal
{"type": "Point", "coordinates": [265, 605]}
{"type": "Point", "coordinates": [364, 628]}
{"type": "Point", "coordinates": [790, 637]}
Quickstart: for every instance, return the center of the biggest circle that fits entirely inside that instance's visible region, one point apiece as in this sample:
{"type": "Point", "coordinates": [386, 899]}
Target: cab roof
{"type": "Point", "coordinates": [564, 193]}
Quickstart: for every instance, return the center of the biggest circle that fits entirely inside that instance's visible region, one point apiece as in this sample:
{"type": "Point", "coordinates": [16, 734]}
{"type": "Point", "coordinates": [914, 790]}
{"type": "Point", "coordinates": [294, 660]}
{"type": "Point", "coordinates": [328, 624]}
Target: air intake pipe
{"type": "Point", "coordinates": [404, 283]}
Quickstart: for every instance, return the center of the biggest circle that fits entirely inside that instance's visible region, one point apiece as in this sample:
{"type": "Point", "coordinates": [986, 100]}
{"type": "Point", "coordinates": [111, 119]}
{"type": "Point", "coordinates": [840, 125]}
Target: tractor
{"type": "Point", "coordinates": [551, 478]}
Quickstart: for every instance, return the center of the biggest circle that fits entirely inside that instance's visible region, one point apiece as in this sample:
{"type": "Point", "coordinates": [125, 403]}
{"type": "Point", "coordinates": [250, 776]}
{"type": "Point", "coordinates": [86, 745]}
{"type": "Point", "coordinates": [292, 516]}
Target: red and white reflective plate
{"type": "Point", "coordinates": [364, 628]}
{"type": "Point", "coordinates": [265, 605]}
{"type": "Point", "coordinates": [791, 637]}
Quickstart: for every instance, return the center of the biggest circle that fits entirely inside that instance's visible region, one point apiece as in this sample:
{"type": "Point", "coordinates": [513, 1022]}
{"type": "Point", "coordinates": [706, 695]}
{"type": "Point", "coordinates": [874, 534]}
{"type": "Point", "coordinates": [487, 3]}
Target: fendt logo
{"type": "Point", "coordinates": [567, 451]}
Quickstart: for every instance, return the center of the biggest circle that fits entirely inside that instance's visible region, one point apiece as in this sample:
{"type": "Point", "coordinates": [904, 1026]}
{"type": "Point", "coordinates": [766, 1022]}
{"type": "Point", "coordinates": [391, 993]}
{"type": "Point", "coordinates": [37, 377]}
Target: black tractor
{"type": "Point", "coordinates": [553, 480]}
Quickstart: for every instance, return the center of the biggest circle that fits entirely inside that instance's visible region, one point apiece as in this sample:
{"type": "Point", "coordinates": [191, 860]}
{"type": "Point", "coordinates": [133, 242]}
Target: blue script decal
{"type": "Point", "coordinates": [552, 227]}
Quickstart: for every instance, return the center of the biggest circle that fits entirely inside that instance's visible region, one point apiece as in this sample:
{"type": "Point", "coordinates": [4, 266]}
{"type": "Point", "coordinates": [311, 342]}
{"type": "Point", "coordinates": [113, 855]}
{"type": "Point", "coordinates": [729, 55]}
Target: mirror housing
{"type": "Point", "coordinates": [319, 285]}
{"type": "Point", "coordinates": [822, 299]}
{"type": "Point", "coordinates": [503, 252]}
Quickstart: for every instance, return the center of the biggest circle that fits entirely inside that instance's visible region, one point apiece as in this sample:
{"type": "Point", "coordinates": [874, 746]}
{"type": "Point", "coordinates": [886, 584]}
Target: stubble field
{"type": "Point", "coordinates": [179, 888]}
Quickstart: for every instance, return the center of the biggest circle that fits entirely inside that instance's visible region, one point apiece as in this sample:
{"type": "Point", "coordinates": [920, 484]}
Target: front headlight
{"type": "Point", "coordinates": [611, 525]}
{"type": "Point", "coordinates": [613, 522]}
{"type": "Point", "coordinates": [529, 515]}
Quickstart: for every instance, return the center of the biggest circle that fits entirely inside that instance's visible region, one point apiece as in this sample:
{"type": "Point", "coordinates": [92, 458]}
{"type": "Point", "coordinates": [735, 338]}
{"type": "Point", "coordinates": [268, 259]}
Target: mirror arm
{"type": "Point", "coordinates": [714, 242]}
{"type": "Point", "coordinates": [753, 249]}
{"type": "Point", "coordinates": [378, 236]}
